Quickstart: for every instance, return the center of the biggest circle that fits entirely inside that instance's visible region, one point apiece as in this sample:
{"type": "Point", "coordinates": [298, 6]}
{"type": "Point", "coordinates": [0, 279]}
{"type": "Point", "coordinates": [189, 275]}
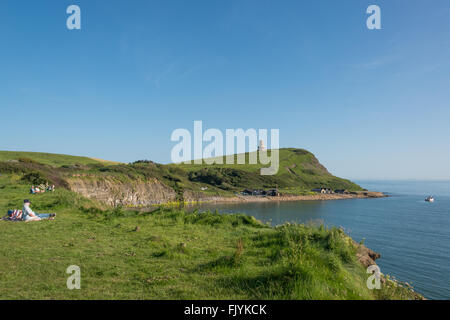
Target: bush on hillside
{"type": "Point", "coordinates": [143, 162]}
{"type": "Point", "coordinates": [27, 160]}
{"type": "Point", "coordinates": [10, 167]}
{"type": "Point", "coordinates": [229, 178]}
{"type": "Point", "coordinates": [35, 178]}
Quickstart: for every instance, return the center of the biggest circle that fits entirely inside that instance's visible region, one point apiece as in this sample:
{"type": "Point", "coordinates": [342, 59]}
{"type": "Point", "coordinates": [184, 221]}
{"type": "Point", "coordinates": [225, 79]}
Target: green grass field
{"type": "Point", "coordinates": [56, 160]}
{"type": "Point", "coordinates": [171, 254]}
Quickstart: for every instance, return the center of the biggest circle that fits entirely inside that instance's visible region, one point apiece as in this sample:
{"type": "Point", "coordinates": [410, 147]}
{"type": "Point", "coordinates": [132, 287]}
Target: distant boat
{"type": "Point", "coordinates": [429, 199]}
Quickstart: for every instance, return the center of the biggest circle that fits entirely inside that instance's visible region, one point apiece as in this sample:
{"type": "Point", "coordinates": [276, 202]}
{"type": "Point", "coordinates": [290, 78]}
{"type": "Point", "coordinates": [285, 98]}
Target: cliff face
{"type": "Point", "coordinates": [117, 193]}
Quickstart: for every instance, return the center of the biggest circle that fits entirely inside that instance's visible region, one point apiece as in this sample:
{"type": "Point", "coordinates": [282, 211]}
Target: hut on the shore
{"type": "Point", "coordinates": [323, 190]}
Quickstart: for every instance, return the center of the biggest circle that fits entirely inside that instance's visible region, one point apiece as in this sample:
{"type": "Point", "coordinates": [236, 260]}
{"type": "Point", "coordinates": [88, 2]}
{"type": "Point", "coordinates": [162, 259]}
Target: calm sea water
{"type": "Point", "coordinates": [413, 236]}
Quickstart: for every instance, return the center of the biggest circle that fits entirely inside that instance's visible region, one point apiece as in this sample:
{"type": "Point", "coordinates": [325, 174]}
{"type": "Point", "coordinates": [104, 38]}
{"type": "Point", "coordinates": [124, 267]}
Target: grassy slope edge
{"type": "Point", "coordinates": [51, 159]}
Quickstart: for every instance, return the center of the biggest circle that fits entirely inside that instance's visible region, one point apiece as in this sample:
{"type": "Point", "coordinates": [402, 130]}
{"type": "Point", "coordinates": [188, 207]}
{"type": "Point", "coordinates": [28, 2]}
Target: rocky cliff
{"type": "Point", "coordinates": [118, 193]}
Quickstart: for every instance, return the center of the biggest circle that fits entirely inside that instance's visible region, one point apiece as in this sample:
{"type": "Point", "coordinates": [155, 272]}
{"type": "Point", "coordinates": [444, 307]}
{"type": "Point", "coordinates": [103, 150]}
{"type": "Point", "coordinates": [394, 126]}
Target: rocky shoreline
{"type": "Point", "coordinates": [315, 197]}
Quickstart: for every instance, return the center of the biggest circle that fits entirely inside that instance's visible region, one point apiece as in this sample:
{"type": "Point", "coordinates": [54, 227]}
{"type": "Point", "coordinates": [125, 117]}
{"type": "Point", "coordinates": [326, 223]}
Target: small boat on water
{"type": "Point", "coordinates": [429, 199]}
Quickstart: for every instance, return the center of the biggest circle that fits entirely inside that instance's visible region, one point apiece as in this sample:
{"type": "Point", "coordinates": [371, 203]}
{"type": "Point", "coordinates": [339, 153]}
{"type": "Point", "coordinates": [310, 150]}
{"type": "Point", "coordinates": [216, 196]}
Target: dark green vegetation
{"type": "Point", "coordinates": [171, 254]}
{"type": "Point", "coordinates": [299, 172]}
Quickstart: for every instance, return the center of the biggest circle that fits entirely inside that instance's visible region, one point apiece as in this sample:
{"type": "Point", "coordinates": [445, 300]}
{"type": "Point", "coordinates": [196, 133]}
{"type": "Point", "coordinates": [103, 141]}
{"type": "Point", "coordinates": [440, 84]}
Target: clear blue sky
{"type": "Point", "coordinates": [369, 104]}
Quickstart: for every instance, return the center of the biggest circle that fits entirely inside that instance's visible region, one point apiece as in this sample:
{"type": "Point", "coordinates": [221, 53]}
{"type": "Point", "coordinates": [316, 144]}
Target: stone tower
{"type": "Point", "coordinates": [261, 146]}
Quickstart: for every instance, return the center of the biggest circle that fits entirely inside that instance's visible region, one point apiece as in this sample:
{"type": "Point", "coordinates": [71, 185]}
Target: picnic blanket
{"type": "Point", "coordinates": [14, 215]}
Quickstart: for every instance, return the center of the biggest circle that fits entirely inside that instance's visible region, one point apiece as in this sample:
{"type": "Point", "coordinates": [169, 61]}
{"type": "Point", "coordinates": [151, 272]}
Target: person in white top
{"type": "Point", "coordinates": [29, 215]}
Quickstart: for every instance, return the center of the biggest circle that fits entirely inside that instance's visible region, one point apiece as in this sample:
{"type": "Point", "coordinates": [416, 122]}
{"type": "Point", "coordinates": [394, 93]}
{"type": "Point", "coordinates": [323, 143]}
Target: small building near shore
{"type": "Point", "coordinates": [247, 192]}
{"type": "Point", "coordinates": [323, 190]}
{"type": "Point", "coordinates": [273, 193]}
{"type": "Point", "coordinates": [341, 191]}
{"type": "Point", "coordinates": [259, 192]}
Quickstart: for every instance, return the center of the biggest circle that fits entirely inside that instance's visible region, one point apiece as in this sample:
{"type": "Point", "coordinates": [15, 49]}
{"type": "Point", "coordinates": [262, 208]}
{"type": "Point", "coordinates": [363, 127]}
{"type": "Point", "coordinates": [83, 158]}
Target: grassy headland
{"type": "Point", "coordinates": [299, 172]}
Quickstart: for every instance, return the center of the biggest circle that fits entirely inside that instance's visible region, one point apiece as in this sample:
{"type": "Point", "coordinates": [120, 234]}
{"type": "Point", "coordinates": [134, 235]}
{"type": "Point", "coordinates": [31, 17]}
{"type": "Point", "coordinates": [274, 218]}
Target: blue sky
{"type": "Point", "coordinates": [369, 104]}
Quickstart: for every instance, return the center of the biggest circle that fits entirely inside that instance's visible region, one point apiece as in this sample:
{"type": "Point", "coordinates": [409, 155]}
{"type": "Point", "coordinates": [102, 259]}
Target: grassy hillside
{"type": "Point", "coordinates": [171, 254]}
{"type": "Point", "coordinates": [51, 159]}
{"type": "Point", "coordinates": [299, 172]}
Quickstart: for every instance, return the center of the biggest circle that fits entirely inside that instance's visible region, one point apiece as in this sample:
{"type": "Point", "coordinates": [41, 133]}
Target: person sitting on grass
{"type": "Point", "coordinates": [38, 190]}
{"type": "Point", "coordinates": [29, 215]}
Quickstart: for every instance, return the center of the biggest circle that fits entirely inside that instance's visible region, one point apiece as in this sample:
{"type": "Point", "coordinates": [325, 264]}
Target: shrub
{"type": "Point", "coordinates": [211, 176]}
{"type": "Point", "coordinates": [35, 178]}
{"type": "Point", "coordinates": [27, 160]}
{"type": "Point", "coordinates": [6, 167]}
{"type": "Point", "coordinates": [143, 162]}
